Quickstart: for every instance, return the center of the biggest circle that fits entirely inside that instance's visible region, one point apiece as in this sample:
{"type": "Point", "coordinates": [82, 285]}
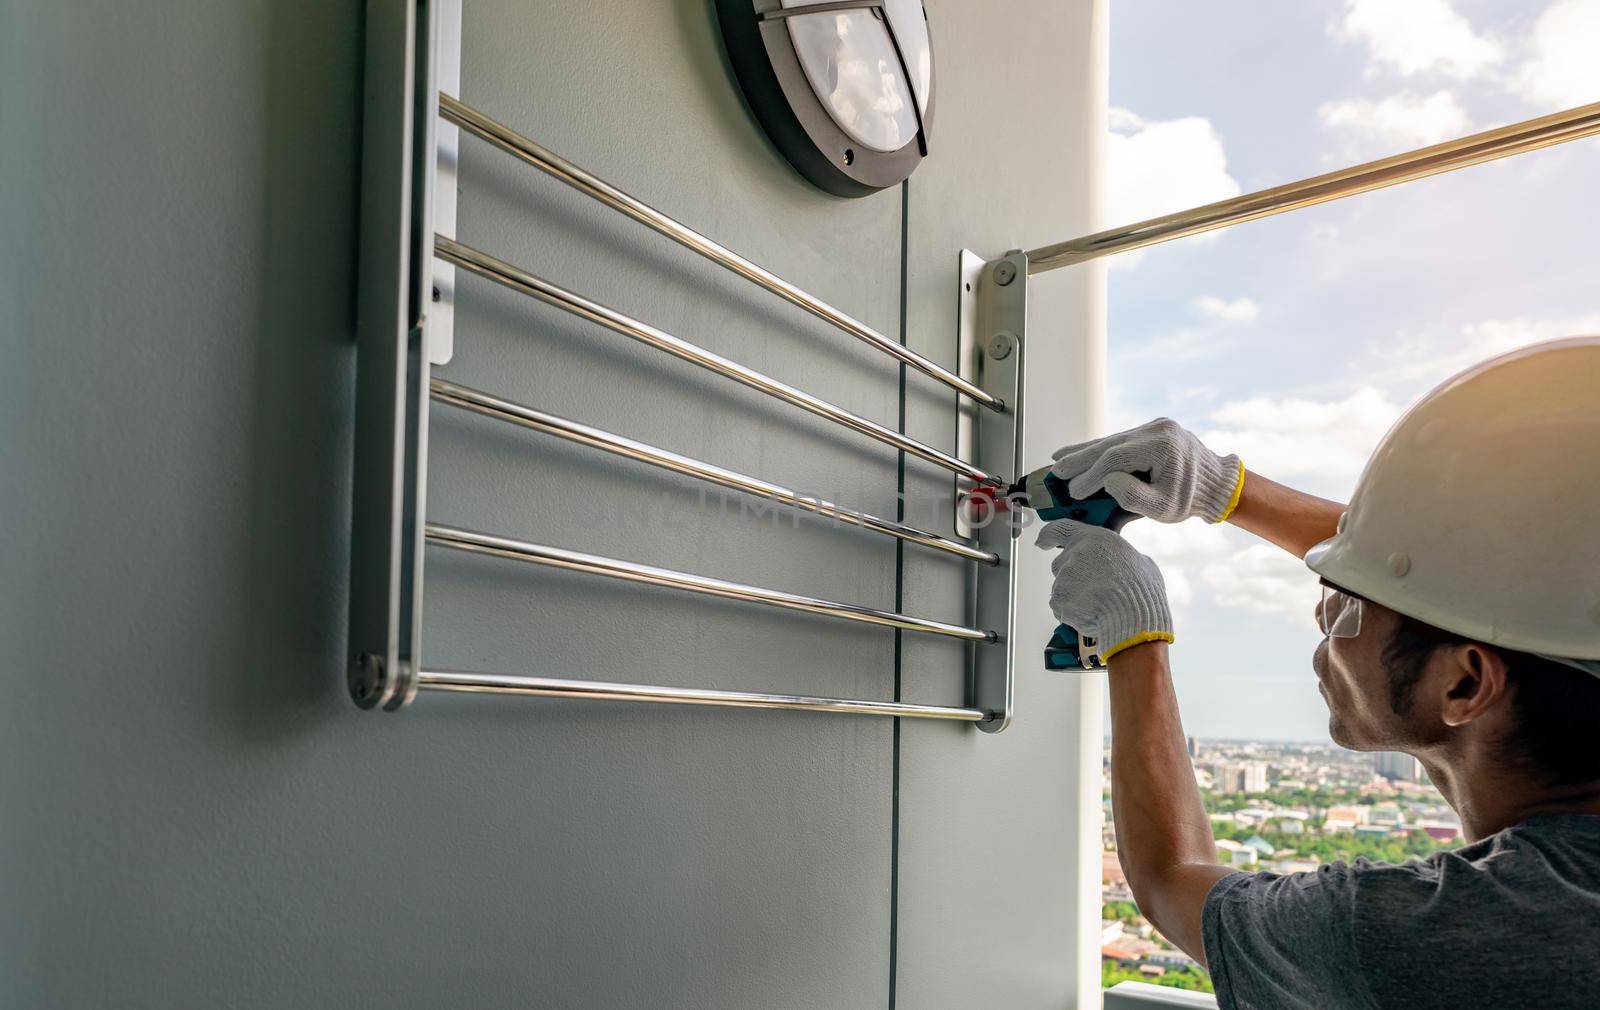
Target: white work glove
{"type": "Point", "coordinates": [1105, 590]}
{"type": "Point", "coordinates": [1186, 478]}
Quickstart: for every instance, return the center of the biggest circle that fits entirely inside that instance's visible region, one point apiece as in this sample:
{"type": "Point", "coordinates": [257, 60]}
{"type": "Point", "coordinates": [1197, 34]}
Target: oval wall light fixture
{"type": "Point", "coordinates": [844, 88]}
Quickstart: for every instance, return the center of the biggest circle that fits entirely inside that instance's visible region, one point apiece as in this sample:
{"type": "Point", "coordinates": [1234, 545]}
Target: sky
{"type": "Point", "coordinates": [1297, 340]}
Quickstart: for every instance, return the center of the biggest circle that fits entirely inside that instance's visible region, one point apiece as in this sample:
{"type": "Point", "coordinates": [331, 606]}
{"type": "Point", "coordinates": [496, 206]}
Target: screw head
{"type": "Point", "coordinates": [366, 679]}
{"type": "Point", "coordinates": [1005, 273]}
{"type": "Point", "coordinates": [1399, 564]}
{"type": "Point", "coordinates": [1001, 345]}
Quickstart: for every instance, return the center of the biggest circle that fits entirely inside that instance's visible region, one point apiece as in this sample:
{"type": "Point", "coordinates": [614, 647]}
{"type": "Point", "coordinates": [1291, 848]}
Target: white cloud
{"type": "Point", "coordinates": [1182, 552]}
{"type": "Point", "coordinates": [1421, 362]}
{"type": "Point", "coordinates": [1418, 36]}
{"type": "Point", "coordinates": [1163, 166]}
{"type": "Point", "coordinates": [1179, 345]}
{"type": "Point", "coordinates": [1563, 66]}
{"type": "Point", "coordinates": [1324, 233]}
{"type": "Point", "coordinates": [1188, 394]}
{"type": "Point", "coordinates": [1403, 120]}
{"type": "Point", "coordinates": [1291, 437]}
{"type": "Point", "coordinates": [1265, 580]}
{"type": "Point", "coordinates": [1240, 310]}
{"type": "Point", "coordinates": [1201, 568]}
{"type": "Point", "coordinates": [1121, 120]}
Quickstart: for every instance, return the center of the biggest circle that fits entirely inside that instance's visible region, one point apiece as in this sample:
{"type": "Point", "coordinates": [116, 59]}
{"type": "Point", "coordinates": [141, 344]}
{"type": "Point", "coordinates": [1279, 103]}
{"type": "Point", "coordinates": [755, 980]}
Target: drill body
{"type": "Point", "coordinates": [1046, 494]}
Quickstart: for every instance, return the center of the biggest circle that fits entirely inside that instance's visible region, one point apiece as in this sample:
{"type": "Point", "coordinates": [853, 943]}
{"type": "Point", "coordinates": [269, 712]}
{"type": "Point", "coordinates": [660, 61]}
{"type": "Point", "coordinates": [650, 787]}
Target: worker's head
{"type": "Point", "coordinates": [1461, 594]}
{"type": "Point", "coordinates": [1393, 682]}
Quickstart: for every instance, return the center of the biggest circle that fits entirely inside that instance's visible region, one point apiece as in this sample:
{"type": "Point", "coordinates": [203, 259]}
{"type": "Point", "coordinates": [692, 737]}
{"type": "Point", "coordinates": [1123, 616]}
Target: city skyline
{"type": "Point", "coordinates": [1283, 807]}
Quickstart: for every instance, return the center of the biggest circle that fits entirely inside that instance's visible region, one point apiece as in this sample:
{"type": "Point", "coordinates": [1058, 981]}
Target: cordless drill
{"type": "Point", "coordinates": [1047, 495]}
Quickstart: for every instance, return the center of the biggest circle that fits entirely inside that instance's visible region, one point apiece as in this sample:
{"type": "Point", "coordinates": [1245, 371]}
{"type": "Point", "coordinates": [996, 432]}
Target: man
{"type": "Point", "coordinates": [1461, 609]}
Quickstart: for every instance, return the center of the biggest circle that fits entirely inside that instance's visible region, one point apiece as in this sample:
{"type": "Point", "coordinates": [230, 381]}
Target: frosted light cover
{"type": "Point", "coordinates": [851, 64]}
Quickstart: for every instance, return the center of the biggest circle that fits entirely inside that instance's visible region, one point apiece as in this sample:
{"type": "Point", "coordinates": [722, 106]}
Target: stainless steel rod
{"type": "Point", "coordinates": [470, 119]}
{"type": "Point", "coordinates": [1517, 138]}
{"type": "Point", "coordinates": [520, 280]}
{"type": "Point", "coordinates": [489, 405]}
{"type": "Point", "coordinates": [554, 687]}
{"type": "Point", "coordinates": [632, 571]}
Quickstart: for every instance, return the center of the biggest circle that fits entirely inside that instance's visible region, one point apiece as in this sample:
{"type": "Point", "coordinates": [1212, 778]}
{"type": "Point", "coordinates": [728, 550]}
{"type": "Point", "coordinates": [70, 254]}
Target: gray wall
{"type": "Point", "coordinates": [192, 813]}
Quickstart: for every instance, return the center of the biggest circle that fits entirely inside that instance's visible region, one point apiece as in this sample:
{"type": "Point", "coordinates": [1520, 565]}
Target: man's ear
{"type": "Point", "coordinates": [1474, 680]}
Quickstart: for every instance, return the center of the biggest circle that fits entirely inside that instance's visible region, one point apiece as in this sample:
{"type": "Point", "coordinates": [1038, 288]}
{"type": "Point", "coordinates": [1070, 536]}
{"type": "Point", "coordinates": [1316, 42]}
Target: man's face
{"type": "Point", "coordinates": [1355, 684]}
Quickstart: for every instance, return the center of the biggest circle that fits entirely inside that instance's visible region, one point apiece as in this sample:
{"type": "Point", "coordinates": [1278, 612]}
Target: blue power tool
{"type": "Point", "coordinates": [1046, 494]}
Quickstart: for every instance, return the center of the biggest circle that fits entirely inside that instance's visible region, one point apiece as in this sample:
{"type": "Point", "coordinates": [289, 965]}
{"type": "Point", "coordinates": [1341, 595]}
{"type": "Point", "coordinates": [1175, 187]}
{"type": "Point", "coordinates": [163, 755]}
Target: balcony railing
{"type": "Point", "coordinates": [1144, 996]}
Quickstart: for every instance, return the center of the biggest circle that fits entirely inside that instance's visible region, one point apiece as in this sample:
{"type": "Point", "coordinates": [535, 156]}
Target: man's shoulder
{"type": "Point", "coordinates": [1461, 927]}
{"type": "Point", "coordinates": [1474, 924]}
{"type": "Point", "coordinates": [1557, 852]}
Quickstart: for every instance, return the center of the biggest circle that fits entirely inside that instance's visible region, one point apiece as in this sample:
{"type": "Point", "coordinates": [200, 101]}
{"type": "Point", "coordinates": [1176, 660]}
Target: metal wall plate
{"type": "Point", "coordinates": [394, 279]}
{"type": "Point", "coordinates": [991, 323]}
{"type": "Point", "coordinates": [447, 163]}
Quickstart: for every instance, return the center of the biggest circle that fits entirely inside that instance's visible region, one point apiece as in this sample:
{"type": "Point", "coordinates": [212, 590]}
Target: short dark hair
{"type": "Point", "coordinates": [1553, 705]}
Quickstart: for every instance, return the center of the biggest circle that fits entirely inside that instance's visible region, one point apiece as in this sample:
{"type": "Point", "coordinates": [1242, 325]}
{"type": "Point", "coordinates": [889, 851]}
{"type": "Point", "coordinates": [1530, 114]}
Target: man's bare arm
{"type": "Point", "coordinates": [1292, 519]}
{"type": "Point", "coordinates": [1163, 835]}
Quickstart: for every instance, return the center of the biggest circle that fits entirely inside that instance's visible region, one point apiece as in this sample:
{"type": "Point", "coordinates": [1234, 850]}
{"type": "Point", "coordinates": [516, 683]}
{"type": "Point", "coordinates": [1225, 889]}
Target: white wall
{"type": "Point", "coordinates": [193, 812]}
{"type": "Point", "coordinates": [1000, 875]}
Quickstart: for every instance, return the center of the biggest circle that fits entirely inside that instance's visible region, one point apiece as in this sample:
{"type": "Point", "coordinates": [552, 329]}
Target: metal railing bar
{"type": "Point", "coordinates": [520, 280]}
{"type": "Point", "coordinates": [1517, 138]}
{"type": "Point", "coordinates": [494, 132]}
{"type": "Point", "coordinates": [555, 687]}
{"type": "Point", "coordinates": [467, 398]}
{"type": "Point", "coordinates": [631, 571]}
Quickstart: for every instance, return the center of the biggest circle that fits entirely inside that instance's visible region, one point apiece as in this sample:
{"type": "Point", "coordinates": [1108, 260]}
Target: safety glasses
{"type": "Point", "coordinates": [1340, 613]}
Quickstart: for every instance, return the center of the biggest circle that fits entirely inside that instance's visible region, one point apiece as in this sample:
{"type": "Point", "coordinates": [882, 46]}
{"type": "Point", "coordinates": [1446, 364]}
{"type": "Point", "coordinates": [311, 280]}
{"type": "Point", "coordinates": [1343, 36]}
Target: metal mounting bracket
{"type": "Point", "coordinates": [991, 325]}
{"type": "Point", "coordinates": [447, 167]}
{"type": "Point", "coordinates": [394, 284]}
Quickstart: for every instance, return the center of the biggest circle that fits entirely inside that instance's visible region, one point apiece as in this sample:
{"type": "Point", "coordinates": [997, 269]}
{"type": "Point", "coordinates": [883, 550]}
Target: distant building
{"type": "Point", "coordinates": [1290, 821]}
{"type": "Point", "coordinates": [1261, 845]}
{"type": "Point", "coordinates": [1111, 869]}
{"type": "Point", "coordinates": [1397, 767]}
{"type": "Point", "coordinates": [1441, 831]}
{"type": "Point", "coordinates": [1194, 748]}
{"type": "Point", "coordinates": [1225, 778]}
{"type": "Point", "coordinates": [1255, 780]}
{"type": "Point", "coordinates": [1235, 853]}
{"type": "Point", "coordinates": [1388, 814]}
{"type": "Point", "coordinates": [1241, 777]}
{"type": "Point", "coordinates": [1345, 818]}
{"type": "Point", "coordinates": [1169, 958]}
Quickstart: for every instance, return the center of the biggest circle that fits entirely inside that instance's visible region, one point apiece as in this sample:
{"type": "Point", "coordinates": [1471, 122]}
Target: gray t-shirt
{"type": "Point", "coordinates": [1511, 921]}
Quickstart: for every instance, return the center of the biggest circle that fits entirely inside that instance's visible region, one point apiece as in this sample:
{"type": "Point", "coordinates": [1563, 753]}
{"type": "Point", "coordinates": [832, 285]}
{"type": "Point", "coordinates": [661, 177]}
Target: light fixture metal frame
{"type": "Point", "coordinates": [775, 85]}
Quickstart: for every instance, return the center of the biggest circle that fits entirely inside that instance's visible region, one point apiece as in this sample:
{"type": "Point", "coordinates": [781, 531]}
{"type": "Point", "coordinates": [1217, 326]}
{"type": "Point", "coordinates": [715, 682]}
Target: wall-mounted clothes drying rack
{"type": "Point", "coordinates": [407, 283]}
{"type": "Point", "coordinates": [406, 237]}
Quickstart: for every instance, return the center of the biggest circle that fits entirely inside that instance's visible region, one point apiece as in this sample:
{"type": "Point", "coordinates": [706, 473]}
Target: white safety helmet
{"type": "Point", "coordinates": [1479, 512]}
